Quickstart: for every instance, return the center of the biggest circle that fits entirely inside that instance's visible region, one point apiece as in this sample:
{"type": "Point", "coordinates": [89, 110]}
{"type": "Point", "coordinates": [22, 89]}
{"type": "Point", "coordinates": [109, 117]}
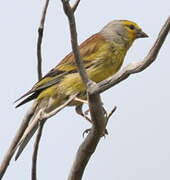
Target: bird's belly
{"type": "Point", "coordinates": [72, 83]}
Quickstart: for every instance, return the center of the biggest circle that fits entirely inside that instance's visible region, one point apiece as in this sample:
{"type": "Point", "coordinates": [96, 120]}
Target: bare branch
{"type": "Point", "coordinates": [39, 42]}
{"type": "Point", "coordinates": [15, 141]}
{"type": "Point", "coordinates": [35, 152]}
{"type": "Point", "coordinates": [138, 66]}
{"type": "Point", "coordinates": [70, 14]}
{"type": "Point", "coordinates": [74, 7]}
{"type": "Point", "coordinates": [95, 105]}
{"type": "Point", "coordinates": [111, 112]}
{"type": "Point", "coordinates": [39, 71]}
{"type": "Point", "coordinates": [108, 116]}
{"type": "Point", "coordinates": [26, 119]}
{"type": "Point", "coordinates": [87, 148]}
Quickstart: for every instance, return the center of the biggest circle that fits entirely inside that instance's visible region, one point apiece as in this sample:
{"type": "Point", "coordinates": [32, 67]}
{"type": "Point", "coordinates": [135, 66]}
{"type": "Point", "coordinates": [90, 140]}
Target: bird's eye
{"type": "Point", "coordinates": [131, 26]}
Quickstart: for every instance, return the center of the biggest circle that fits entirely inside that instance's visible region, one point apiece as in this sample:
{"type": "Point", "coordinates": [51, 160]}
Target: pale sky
{"type": "Point", "coordinates": [138, 146]}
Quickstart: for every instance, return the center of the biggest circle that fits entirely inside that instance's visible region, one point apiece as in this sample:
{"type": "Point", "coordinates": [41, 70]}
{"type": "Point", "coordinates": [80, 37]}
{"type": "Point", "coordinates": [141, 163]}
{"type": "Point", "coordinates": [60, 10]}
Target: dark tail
{"type": "Point", "coordinates": [29, 98]}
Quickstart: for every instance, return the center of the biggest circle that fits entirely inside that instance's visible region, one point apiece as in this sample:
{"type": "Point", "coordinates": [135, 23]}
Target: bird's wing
{"type": "Point", "coordinates": [88, 51]}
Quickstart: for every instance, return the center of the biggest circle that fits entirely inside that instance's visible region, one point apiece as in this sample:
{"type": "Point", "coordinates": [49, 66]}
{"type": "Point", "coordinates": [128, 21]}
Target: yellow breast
{"type": "Point", "coordinates": [103, 68]}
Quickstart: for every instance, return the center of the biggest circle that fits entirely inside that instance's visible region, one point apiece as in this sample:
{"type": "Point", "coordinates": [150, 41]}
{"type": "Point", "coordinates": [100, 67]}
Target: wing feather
{"type": "Point", "coordinates": [88, 50]}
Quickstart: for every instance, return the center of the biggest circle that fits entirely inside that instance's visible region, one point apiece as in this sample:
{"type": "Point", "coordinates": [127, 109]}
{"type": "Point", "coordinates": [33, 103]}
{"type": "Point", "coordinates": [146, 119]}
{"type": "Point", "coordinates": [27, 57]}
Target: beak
{"type": "Point", "coordinates": [141, 34]}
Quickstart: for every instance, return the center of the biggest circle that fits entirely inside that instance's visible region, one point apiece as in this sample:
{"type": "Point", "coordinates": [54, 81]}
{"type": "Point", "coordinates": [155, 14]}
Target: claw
{"type": "Point", "coordinates": [103, 135]}
{"type": "Point", "coordinates": [86, 132]}
{"type": "Point", "coordinates": [86, 112]}
{"type": "Point", "coordinates": [79, 110]}
{"type": "Point", "coordinates": [85, 115]}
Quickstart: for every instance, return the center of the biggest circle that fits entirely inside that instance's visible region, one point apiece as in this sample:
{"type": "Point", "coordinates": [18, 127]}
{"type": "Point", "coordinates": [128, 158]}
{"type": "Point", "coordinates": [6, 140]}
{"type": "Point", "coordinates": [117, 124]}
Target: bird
{"type": "Point", "coordinates": [102, 55]}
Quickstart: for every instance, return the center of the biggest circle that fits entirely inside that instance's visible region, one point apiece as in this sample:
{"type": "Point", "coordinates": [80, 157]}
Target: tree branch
{"type": "Point", "coordinates": [87, 148]}
{"type": "Point", "coordinates": [39, 71]}
{"type": "Point", "coordinates": [25, 121]}
{"type": "Point", "coordinates": [15, 141]}
{"type": "Point", "coordinates": [74, 7]}
{"type": "Point", "coordinates": [39, 58]}
{"type": "Point", "coordinates": [35, 152]}
{"type": "Point", "coordinates": [95, 105]}
{"type": "Point", "coordinates": [39, 42]}
{"type": "Point", "coordinates": [38, 137]}
{"type": "Point", "coordinates": [70, 14]}
{"type": "Point", "coordinates": [137, 66]}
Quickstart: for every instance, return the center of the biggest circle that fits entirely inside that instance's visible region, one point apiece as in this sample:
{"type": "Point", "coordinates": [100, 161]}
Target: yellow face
{"type": "Point", "coordinates": [134, 31]}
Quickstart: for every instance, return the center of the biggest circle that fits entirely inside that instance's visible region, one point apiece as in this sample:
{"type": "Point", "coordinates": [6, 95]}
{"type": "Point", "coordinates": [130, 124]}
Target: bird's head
{"type": "Point", "coordinates": [123, 32]}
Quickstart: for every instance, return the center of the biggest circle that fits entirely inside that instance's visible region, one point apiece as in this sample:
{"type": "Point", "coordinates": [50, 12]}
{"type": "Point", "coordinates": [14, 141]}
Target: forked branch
{"type": "Point", "coordinates": [70, 14]}
{"type": "Point", "coordinates": [89, 145]}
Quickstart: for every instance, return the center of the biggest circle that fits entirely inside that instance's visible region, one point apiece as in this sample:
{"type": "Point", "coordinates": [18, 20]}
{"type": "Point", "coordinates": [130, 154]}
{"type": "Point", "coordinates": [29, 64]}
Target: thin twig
{"type": "Point", "coordinates": [111, 112]}
{"type": "Point", "coordinates": [39, 42]}
{"type": "Point", "coordinates": [74, 7]}
{"type": "Point", "coordinates": [137, 66]}
{"type": "Point", "coordinates": [70, 14]}
{"type": "Point", "coordinates": [108, 116]}
{"type": "Point", "coordinates": [95, 105]}
{"type": "Point", "coordinates": [39, 71]}
{"type": "Point", "coordinates": [35, 152]}
{"type": "Point", "coordinates": [15, 141]}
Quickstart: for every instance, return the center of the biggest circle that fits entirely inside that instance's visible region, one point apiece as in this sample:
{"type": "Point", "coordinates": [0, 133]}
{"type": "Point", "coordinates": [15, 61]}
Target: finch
{"type": "Point", "coordinates": [102, 54]}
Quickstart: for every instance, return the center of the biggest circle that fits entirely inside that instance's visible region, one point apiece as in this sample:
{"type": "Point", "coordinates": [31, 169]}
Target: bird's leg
{"type": "Point", "coordinates": [84, 114]}
{"type": "Point", "coordinates": [81, 100]}
{"type": "Point", "coordinates": [80, 112]}
{"type": "Point", "coordinates": [107, 116]}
